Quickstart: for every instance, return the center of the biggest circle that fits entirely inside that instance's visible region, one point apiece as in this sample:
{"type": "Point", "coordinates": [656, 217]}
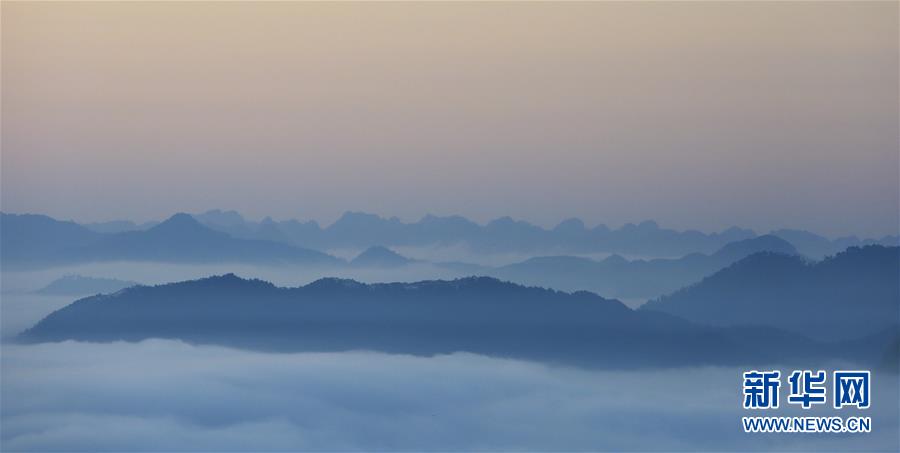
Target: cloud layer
{"type": "Point", "coordinates": [166, 395]}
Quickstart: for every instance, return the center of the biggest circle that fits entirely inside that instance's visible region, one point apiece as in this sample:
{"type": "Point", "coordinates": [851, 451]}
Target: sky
{"type": "Point", "coordinates": [697, 114]}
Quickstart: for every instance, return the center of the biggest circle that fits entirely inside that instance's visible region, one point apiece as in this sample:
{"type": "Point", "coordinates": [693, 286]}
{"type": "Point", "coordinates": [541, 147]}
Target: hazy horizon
{"type": "Point", "coordinates": [549, 225]}
{"type": "Point", "coordinates": [205, 333]}
{"type": "Point", "coordinates": [608, 112]}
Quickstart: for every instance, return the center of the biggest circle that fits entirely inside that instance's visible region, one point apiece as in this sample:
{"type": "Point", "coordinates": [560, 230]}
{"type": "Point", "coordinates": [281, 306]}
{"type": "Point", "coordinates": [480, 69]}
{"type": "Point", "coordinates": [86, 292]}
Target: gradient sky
{"type": "Point", "coordinates": [699, 115]}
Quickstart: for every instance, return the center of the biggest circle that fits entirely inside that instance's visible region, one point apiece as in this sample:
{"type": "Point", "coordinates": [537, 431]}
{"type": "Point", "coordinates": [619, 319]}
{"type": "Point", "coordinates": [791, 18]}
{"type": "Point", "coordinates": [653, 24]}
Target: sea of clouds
{"type": "Point", "coordinates": [163, 395]}
{"type": "Point", "coordinates": [168, 395]}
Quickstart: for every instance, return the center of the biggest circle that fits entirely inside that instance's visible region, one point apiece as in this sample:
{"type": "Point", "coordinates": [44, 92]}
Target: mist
{"type": "Point", "coordinates": [81, 396]}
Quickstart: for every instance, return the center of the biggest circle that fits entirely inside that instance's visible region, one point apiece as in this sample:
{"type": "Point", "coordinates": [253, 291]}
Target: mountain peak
{"type": "Point", "coordinates": [334, 283]}
{"type": "Point", "coordinates": [615, 259]}
{"type": "Point", "coordinates": [356, 219]}
{"type": "Point", "coordinates": [232, 281]}
{"type": "Point", "coordinates": [570, 225]}
{"type": "Point", "coordinates": [852, 294]}
{"type": "Point", "coordinates": [356, 215]}
{"type": "Point", "coordinates": [505, 220]}
{"type": "Point", "coordinates": [380, 256]}
{"type": "Point", "coordinates": [179, 223]}
{"type": "Point", "coordinates": [73, 285]}
{"type": "Point", "coordinates": [765, 243]}
{"type": "Point", "coordinates": [183, 231]}
{"type": "Point", "coordinates": [180, 218]}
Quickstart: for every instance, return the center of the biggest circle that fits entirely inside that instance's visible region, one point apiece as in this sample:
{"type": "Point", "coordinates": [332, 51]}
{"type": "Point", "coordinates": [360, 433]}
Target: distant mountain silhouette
{"type": "Point", "coordinates": [228, 222]}
{"type": "Point", "coordinates": [618, 277]}
{"type": "Point", "coordinates": [503, 235]}
{"type": "Point", "coordinates": [304, 234]}
{"type": "Point", "coordinates": [851, 294]}
{"type": "Point", "coordinates": [35, 241]}
{"type": "Point", "coordinates": [359, 229]}
{"type": "Point", "coordinates": [39, 240]}
{"type": "Point", "coordinates": [221, 218]}
{"type": "Point", "coordinates": [77, 285]}
{"type": "Point", "coordinates": [28, 240]}
{"type": "Point", "coordinates": [476, 314]}
{"type": "Point", "coordinates": [815, 246]}
{"type": "Point", "coordinates": [269, 230]}
{"type": "Point", "coordinates": [183, 239]}
{"type": "Point", "coordinates": [737, 250]}
{"type": "Point", "coordinates": [442, 230]}
{"type": "Point", "coordinates": [378, 256]}
{"type": "Point", "coordinates": [118, 226]}
{"type": "Point", "coordinates": [290, 232]}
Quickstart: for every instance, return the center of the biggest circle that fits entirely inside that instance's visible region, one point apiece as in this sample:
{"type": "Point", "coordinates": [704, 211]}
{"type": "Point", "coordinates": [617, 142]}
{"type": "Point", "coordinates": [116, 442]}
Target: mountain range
{"type": "Point", "coordinates": [79, 285]}
{"type": "Point", "coordinates": [853, 293]}
{"type": "Point", "coordinates": [29, 240]}
{"type": "Point", "coordinates": [618, 277]}
{"type": "Point", "coordinates": [39, 241]}
{"type": "Point", "coordinates": [571, 236]}
{"type": "Point", "coordinates": [379, 256]}
{"type": "Point", "coordinates": [477, 314]}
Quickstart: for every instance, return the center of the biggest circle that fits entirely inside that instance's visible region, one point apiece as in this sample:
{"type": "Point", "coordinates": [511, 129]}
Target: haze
{"type": "Point", "coordinates": [699, 115]}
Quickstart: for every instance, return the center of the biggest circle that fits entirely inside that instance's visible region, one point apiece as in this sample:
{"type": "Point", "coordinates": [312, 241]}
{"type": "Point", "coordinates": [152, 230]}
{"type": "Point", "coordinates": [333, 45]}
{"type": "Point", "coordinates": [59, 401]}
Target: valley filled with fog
{"type": "Point", "coordinates": [608, 378]}
{"type": "Point", "coordinates": [219, 399]}
{"type": "Point", "coordinates": [62, 396]}
{"type": "Point", "coordinates": [449, 226]}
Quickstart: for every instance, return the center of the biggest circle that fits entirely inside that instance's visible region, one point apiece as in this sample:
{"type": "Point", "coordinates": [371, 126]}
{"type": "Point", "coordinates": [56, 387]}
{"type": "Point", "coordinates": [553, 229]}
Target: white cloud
{"type": "Point", "coordinates": [167, 395]}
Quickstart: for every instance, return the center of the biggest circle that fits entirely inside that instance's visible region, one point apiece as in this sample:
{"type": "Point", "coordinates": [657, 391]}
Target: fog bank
{"type": "Point", "coordinates": [78, 396]}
